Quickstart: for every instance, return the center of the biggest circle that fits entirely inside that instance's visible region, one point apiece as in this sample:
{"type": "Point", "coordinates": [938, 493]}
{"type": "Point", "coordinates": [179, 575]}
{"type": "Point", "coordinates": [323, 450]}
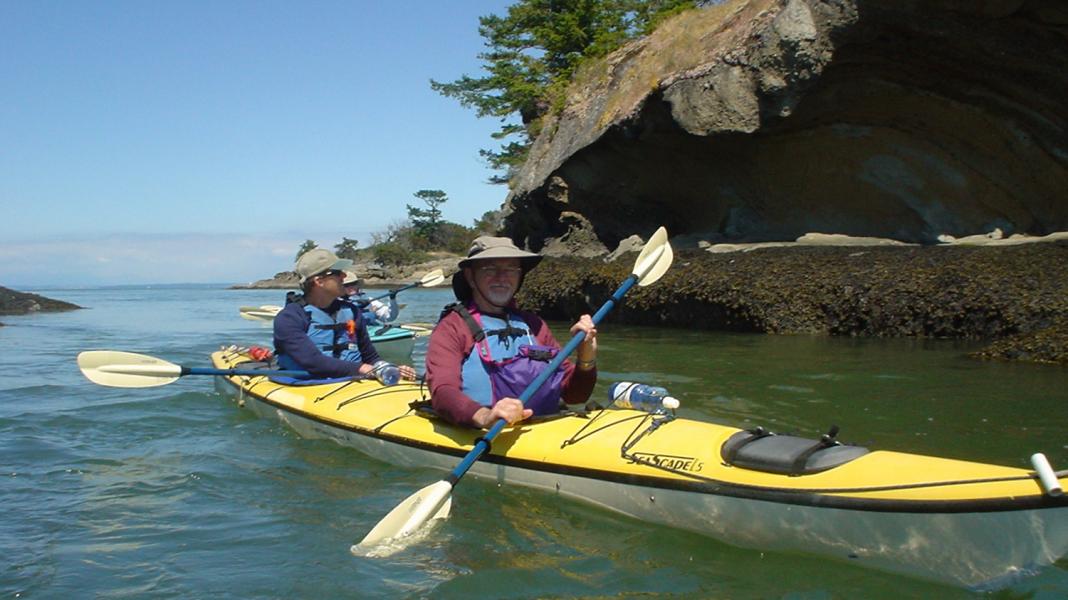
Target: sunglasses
{"type": "Point", "coordinates": [331, 273]}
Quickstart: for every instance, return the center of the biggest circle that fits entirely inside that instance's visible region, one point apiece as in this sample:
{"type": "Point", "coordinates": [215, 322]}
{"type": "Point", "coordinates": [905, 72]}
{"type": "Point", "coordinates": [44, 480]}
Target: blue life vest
{"type": "Point", "coordinates": [505, 360]}
{"type": "Point", "coordinates": [333, 335]}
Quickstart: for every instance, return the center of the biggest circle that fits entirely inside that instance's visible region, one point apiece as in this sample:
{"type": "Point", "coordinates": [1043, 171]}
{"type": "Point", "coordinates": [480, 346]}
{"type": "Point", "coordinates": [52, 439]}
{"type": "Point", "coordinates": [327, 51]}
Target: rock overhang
{"type": "Point", "coordinates": [782, 117]}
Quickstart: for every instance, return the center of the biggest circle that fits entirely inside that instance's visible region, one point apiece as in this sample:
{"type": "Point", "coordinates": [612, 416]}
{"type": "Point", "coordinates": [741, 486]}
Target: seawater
{"type": "Point", "coordinates": [174, 491]}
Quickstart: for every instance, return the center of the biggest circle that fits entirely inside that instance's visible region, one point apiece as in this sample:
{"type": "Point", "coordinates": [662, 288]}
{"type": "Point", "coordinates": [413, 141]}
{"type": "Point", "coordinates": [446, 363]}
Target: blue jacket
{"type": "Point", "coordinates": [291, 340]}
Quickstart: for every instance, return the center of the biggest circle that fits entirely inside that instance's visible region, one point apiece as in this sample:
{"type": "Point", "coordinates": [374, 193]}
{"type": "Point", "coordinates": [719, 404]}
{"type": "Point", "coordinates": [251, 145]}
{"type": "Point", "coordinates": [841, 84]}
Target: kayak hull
{"type": "Point", "coordinates": [968, 535]}
{"type": "Point", "coordinates": [394, 343]}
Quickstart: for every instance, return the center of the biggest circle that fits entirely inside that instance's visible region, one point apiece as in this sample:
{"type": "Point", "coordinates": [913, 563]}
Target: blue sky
{"type": "Point", "coordinates": [166, 142]}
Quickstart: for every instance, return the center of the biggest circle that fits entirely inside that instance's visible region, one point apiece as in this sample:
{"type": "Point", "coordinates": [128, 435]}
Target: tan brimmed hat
{"type": "Point", "coordinates": [486, 247]}
{"type": "Point", "coordinates": [317, 261]}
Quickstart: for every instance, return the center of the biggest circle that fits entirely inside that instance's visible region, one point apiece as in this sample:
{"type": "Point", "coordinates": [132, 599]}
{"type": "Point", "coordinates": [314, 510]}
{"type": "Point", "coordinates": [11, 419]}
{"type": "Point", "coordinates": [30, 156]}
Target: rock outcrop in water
{"type": "Point", "coordinates": [766, 119]}
{"type": "Point", "coordinates": [20, 303]}
{"type": "Point", "coordinates": [1017, 295]}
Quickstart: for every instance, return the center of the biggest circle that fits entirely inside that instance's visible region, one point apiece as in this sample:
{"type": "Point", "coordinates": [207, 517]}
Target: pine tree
{"type": "Point", "coordinates": [305, 247]}
{"type": "Point", "coordinates": [532, 53]}
{"type": "Point", "coordinates": [347, 248]}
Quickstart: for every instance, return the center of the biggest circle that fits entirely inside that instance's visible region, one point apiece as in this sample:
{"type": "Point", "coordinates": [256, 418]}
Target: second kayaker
{"type": "Point", "coordinates": [375, 312]}
{"type": "Point", "coordinates": [320, 332]}
{"type": "Point", "coordinates": [485, 350]}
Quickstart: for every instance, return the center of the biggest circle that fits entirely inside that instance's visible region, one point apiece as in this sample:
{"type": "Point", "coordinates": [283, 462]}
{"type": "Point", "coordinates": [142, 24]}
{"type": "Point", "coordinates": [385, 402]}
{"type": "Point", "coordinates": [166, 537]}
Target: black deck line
{"type": "Point", "coordinates": [822, 499]}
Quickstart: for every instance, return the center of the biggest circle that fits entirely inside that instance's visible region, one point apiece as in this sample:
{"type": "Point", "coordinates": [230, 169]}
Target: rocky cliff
{"type": "Point", "coordinates": [765, 119]}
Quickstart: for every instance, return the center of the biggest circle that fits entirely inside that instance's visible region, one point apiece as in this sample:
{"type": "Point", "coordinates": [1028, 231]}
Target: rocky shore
{"type": "Point", "coordinates": [1013, 296]}
{"type": "Point", "coordinates": [373, 275]}
{"type": "Point", "coordinates": [19, 303]}
{"type": "Point", "coordinates": [1016, 297]}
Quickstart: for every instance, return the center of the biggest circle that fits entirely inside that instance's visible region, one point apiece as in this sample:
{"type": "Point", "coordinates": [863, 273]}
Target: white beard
{"type": "Point", "coordinates": [498, 295]}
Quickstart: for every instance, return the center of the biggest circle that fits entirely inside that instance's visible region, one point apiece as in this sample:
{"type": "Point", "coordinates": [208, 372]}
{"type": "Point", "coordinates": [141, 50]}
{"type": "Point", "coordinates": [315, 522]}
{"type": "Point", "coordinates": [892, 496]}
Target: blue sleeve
{"type": "Point", "coordinates": [291, 338]}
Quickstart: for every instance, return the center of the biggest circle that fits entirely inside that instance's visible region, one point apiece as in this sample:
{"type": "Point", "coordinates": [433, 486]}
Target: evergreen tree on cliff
{"type": "Point", "coordinates": [533, 52]}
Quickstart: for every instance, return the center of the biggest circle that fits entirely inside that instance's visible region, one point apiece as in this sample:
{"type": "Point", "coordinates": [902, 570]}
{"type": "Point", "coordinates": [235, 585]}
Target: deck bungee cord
{"type": "Point", "coordinates": [825, 490]}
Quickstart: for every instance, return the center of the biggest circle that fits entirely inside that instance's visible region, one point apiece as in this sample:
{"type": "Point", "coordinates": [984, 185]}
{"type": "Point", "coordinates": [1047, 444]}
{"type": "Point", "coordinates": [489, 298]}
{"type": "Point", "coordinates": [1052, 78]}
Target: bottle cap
{"type": "Point", "coordinates": [671, 402]}
{"type": "Point", "coordinates": [616, 390]}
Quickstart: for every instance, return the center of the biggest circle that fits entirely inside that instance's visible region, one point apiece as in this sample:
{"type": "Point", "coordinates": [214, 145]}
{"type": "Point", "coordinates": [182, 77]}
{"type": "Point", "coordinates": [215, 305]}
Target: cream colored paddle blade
{"type": "Point", "coordinates": [126, 369]}
{"type": "Point", "coordinates": [252, 313]}
{"type": "Point", "coordinates": [655, 258]}
{"type": "Point", "coordinates": [433, 278]}
{"type": "Point", "coordinates": [419, 329]}
{"type": "Point", "coordinates": [404, 525]}
{"type": "Point", "coordinates": [267, 312]}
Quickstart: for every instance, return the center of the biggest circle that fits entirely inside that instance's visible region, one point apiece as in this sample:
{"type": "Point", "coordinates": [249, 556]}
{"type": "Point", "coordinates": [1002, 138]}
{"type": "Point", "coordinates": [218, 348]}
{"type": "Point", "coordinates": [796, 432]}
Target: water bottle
{"type": "Point", "coordinates": [641, 397]}
{"type": "Point", "coordinates": [386, 373]}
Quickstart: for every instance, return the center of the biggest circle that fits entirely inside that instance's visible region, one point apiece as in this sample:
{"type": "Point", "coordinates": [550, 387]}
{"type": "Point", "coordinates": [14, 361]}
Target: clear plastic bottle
{"type": "Point", "coordinates": [639, 396]}
{"type": "Point", "coordinates": [386, 373]}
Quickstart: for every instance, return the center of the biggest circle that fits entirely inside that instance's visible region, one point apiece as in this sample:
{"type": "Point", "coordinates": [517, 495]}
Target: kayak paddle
{"type": "Point", "coordinates": [130, 370]}
{"type": "Point", "coordinates": [431, 279]}
{"type": "Point", "coordinates": [268, 312]}
{"type": "Point", "coordinates": [434, 501]}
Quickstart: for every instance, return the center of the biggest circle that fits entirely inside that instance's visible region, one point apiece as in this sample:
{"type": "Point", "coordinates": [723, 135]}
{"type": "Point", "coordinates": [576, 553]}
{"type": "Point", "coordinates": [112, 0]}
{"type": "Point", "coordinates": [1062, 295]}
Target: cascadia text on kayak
{"type": "Point", "coordinates": [667, 461]}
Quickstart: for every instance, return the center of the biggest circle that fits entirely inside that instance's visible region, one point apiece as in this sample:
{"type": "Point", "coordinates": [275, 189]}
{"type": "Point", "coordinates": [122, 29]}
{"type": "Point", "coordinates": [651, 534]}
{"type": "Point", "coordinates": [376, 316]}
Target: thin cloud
{"type": "Point", "coordinates": [138, 258]}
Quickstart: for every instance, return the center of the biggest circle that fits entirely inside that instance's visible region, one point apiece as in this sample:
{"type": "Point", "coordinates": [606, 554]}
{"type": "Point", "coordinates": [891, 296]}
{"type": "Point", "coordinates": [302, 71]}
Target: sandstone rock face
{"type": "Point", "coordinates": [758, 120]}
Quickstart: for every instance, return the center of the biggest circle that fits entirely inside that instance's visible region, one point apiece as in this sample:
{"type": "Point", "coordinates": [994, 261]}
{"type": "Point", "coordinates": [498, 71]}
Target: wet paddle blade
{"type": "Point", "coordinates": [126, 369]}
{"type": "Point", "coordinates": [395, 531]}
{"type": "Point", "coordinates": [655, 258]}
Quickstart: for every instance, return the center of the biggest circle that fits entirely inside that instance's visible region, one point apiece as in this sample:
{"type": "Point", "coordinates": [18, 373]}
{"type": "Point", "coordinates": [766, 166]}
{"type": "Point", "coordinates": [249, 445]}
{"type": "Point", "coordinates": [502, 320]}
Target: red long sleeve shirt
{"type": "Point", "coordinates": [450, 345]}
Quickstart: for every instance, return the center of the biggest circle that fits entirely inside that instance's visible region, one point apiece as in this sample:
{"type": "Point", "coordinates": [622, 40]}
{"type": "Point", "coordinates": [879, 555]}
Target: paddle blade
{"type": "Point", "coordinates": [395, 531]}
{"type": "Point", "coordinates": [266, 312]}
{"type": "Point", "coordinates": [419, 329]}
{"type": "Point", "coordinates": [433, 278]}
{"type": "Point", "coordinates": [252, 313]}
{"type": "Point", "coordinates": [126, 369]}
{"type": "Point", "coordinates": [655, 258]}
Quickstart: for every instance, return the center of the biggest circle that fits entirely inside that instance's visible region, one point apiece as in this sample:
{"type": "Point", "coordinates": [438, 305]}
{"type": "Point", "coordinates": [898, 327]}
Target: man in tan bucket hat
{"type": "Point", "coordinates": [485, 350]}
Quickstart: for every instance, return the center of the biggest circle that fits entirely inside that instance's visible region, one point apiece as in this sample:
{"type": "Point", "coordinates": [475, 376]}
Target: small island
{"type": "Point", "coordinates": [13, 302]}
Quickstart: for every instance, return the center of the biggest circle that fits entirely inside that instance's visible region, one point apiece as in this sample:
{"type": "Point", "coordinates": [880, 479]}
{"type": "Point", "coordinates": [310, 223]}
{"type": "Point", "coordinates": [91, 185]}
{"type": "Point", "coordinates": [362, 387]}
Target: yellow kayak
{"type": "Point", "coordinates": [964, 523]}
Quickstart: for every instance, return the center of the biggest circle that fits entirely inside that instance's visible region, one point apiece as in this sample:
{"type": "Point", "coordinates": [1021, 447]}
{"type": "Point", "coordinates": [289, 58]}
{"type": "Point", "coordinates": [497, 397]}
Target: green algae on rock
{"type": "Point", "coordinates": [1013, 294]}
